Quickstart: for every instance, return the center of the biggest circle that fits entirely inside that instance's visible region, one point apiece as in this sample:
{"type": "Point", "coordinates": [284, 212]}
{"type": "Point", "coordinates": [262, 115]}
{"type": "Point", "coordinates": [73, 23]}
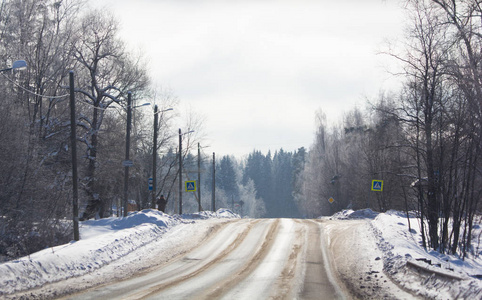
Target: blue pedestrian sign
{"type": "Point", "coordinates": [190, 186]}
{"type": "Point", "coordinates": [377, 185]}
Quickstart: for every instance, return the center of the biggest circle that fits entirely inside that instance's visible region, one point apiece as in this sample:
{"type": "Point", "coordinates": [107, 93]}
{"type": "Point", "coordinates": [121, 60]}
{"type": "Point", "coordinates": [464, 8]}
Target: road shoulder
{"type": "Point", "coordinates": [358, 261]}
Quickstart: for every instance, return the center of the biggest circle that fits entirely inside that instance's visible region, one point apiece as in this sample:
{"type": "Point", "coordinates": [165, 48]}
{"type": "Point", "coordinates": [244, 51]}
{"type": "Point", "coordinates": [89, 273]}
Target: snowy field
{"type": "Point", "coordinates": [107, 246]}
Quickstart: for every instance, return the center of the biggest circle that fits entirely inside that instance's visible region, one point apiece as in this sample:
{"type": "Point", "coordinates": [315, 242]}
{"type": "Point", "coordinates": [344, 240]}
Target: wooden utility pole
{"type": "Point", "coordinates": [73, 145]}
{"type": "Point", "coordinates": [199, 175]}
{"type": "Point", "coordinates": [154, 158]}
{"type": "Point", "coordinates": [127, 163]}
{"type": "Point", "coordinates": [213, 198]}
{"type": "Point", "coordinates": [180, 172]}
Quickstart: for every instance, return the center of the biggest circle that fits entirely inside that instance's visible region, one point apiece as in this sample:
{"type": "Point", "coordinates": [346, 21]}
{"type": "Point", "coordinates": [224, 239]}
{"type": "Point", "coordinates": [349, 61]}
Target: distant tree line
{"type": "Point", "coordinates": [260, 185]}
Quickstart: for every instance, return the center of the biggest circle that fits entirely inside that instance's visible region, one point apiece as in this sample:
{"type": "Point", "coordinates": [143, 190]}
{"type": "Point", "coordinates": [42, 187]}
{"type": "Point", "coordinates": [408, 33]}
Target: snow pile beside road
{"type": "Point", "coordinates": [102, 242]}
{"type": "Point", "coordinates": [221, 213]}
{"type": "Point", "coordinates": [430, 274]}
{"type": "Point", "coordinates": [348, 214]}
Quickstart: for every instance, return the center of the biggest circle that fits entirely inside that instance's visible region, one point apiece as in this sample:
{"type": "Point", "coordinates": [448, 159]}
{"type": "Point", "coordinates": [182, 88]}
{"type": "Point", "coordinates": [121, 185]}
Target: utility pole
{"type": "Point", "coordinates": [199, 175]}
{"type": "Point", "coordinates": [213, 199]}
{"type": "Point", "coordinates": [180, 172]}
{"type": "Point", "coordinates": [154, 158]}
{"type": "Point", "coordinates": [73, 145]}
{"type": "Point", "coordinates": [128, 142]}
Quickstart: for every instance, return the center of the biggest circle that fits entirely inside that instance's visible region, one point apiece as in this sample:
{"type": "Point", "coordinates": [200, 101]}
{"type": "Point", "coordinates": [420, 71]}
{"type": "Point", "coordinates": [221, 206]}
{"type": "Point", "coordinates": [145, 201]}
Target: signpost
{"type": "Point", "coordinates": [377, 185]}
{"type": "Point", "coordinates": [127, 163]}
{"type": "Point", "coordinates": [190, 186]}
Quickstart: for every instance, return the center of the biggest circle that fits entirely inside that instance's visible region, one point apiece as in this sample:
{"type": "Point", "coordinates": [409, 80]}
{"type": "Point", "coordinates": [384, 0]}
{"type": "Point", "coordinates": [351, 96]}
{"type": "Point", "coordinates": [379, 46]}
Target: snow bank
{"type": "Point", "coordinates": [107, 240]}
{"type": "Point", "coordinates": [348, 214]}
{"type": "Point", "coordinates": [102, 241]}
{"type": "Point", "coordinates": [219, 214]}
{"type": "Point", "coordinates": [429, 273]}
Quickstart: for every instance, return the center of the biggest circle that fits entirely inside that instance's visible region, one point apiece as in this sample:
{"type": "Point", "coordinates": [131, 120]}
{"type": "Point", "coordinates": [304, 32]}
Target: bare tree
{"type": "Point", "coordinates": [464, 20]}
{"type": "Point", "coordinates": [33, 109]}
{"type": "Point", "coordinates": [107, 73]}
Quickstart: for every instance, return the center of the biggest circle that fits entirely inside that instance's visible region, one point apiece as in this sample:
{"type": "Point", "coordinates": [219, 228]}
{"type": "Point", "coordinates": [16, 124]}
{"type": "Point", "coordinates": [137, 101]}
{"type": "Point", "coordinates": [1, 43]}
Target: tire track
{"type": "Point", "coordinates": [162, 286]}
{"type": "Point", "coordinates": [214, 244]}
{"type": "Point", "coordinates": [244, 259]}
{"type": "Point", "coordinates": [287, 284]}
{"type": "Point", "coordinates": [318, 271]}
{"type": "Point", "coordinates": [86, 289]}
{"type": "Point", "coordinates": [225, 286]}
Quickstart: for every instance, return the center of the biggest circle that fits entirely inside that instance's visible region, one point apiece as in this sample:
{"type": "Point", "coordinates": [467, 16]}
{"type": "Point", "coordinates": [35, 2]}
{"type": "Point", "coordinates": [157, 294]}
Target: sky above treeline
{"type": "Point", "coordinates": [257, 71]}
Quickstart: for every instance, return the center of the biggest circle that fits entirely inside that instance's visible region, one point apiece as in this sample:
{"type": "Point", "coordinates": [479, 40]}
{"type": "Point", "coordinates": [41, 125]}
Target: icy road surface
{"type": "Point", "coordinates": [242, 259]}
{"type": "Point", "coordinates": [213, 255]}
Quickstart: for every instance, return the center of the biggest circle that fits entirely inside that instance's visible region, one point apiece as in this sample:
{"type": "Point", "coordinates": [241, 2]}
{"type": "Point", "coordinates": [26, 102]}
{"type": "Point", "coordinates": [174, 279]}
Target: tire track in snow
{"type": "Point", "coordinates": [243, 259]}
{"type": "Point", "coordinates": [225, 286]}
{"type": "Point", "coordinates": [287, 285]}
{"type": "Point", "coordinates": [224, 236]}
{"type": "Point", "coordinates": [318, 266]}
{"type": "Point", "coordinates": [212, 260]}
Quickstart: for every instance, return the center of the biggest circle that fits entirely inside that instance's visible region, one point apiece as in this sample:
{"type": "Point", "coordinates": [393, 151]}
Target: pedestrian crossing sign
{"type": "Point", "coordinates": [377, 185]}
{"type": "Point", "coordinates": [190, 186]}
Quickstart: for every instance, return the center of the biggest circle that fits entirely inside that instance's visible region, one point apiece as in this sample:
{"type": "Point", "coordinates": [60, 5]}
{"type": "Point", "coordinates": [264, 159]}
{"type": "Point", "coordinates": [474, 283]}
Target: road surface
{"type": "Point", "coordinates": [242, 259]}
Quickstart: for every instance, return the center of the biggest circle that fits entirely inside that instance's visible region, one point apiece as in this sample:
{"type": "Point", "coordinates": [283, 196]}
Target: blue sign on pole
{"type": "Point", "coordinates": [377, 185]}
{"type": "Point", "coordinates": [190, 186]}
{"type": "Point", "coordinates": [150, 183]}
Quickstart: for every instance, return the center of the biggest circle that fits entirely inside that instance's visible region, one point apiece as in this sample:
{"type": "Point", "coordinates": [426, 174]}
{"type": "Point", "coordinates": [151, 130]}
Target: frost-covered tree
{"type": "Point", "coordinates": [298, 162]}
{"type": "Point", "coordinates": [106, 73]}
{"type": "Point", "coordinates": [251, 205]}
{"type": "Point", "coordinates": [226, 177]}
{"type": "Point", "coordinates": [34, 192]}
{"type": "Point", "coordinates": [283, 174]}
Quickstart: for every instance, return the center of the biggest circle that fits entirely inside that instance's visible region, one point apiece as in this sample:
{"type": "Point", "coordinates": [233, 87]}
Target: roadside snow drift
{"type": "Point", "coordinates": [101, 242]}
{"type": "Point", "coordinates": [427, 273]}
{"type": "Point", "coordinates": [109, 243]}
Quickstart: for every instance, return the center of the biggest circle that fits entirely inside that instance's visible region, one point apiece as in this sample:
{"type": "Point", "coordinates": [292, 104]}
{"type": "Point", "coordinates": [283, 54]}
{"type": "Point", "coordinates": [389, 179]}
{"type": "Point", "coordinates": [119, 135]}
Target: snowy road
{"type": "Point", "coordinates": [216, 255]}
{"type": "Point", "coordinates": [243, 259]}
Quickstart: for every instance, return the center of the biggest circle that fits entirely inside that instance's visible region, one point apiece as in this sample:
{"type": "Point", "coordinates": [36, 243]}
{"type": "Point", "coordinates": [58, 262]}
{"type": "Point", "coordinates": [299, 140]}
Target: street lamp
{"type": "Point", "coordinates": [17, 65]}
{"type": "Point", "coordinates": [180, 168]}
{"type": "Point", "coordinates": [143, 104]}
{"type": "Point", "coordinates": [154, 154]}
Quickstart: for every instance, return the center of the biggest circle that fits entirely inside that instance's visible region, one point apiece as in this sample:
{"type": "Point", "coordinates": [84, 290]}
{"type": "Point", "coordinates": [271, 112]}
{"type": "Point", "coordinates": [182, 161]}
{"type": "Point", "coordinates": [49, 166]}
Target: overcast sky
{"type": "Point", "coordinates": [257, 71]}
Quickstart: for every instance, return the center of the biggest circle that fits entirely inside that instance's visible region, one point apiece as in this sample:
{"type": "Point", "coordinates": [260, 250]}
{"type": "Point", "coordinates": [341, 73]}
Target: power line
{"type": "Point", "coordinates": [33, 93]}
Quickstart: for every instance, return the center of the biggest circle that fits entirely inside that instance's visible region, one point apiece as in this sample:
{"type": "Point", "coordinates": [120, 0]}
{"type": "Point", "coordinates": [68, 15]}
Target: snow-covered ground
{"type": "Point", "coordinates": [428, 274]}
{"type": "Point", "coordinates": [105, 241]}
{"type": "Point", "coordinates": [107, 246]}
